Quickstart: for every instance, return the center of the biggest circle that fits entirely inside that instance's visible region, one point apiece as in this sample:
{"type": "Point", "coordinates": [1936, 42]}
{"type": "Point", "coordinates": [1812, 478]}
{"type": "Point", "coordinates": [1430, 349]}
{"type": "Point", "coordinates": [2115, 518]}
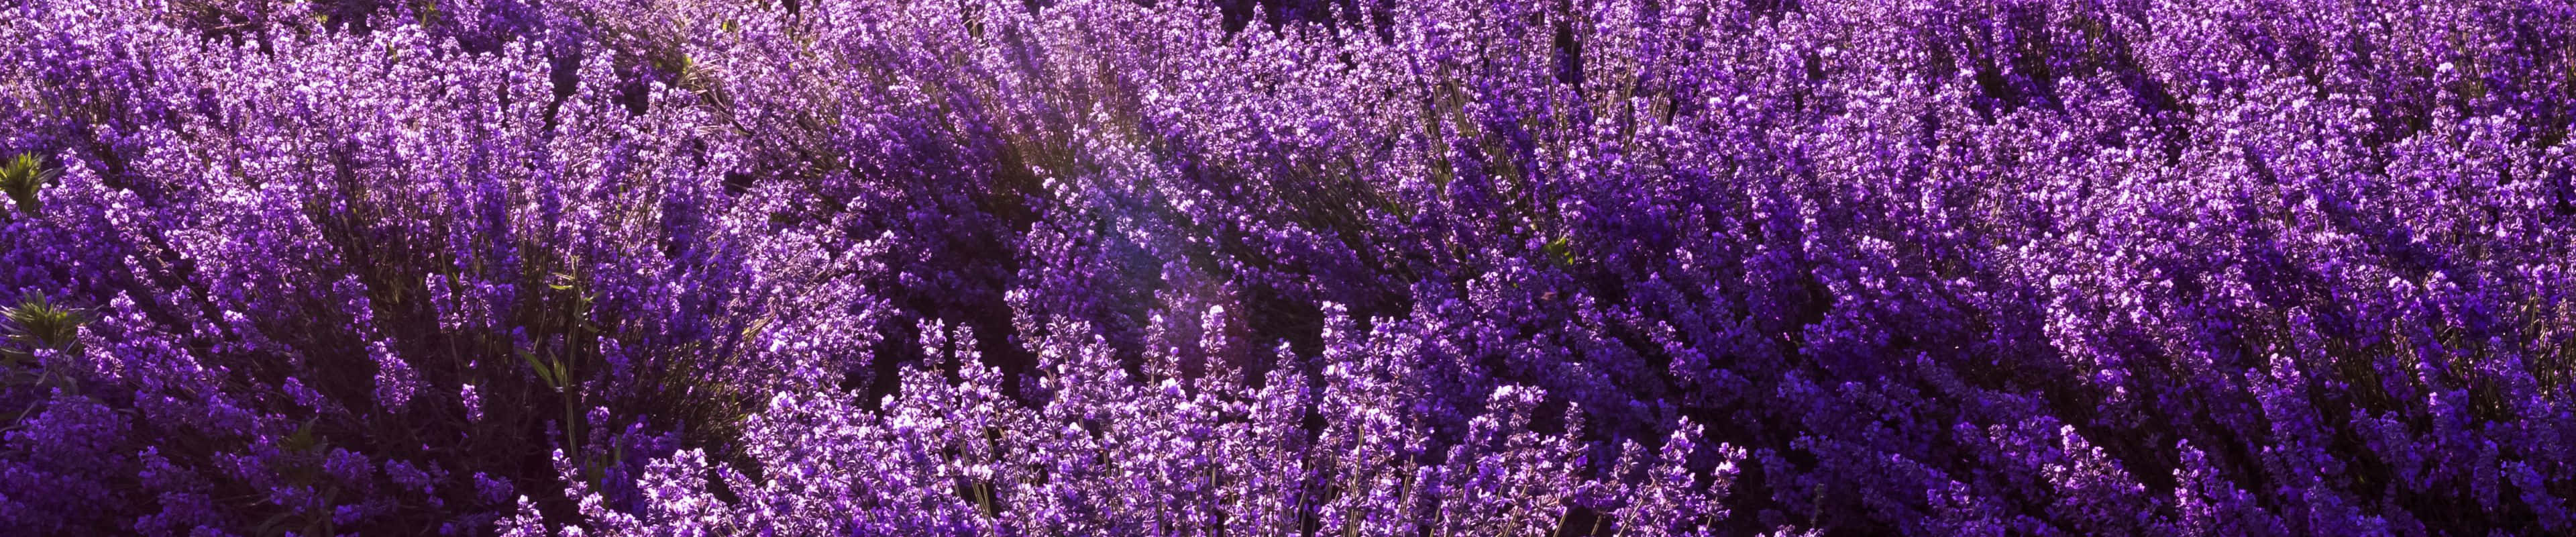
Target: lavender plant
{"type": "Point", "coordinates": [1105, 267]}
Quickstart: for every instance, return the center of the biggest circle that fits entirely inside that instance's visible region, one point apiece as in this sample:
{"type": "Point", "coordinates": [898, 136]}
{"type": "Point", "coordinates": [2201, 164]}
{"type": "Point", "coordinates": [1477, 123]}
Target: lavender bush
{"type": "Point", "coordinates": [1287, 267]}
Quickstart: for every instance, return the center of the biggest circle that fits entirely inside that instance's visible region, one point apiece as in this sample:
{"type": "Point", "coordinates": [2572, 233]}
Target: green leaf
{"type": "Point", "coordinates": [543, 373]}
{"type": "Point", "coordinates": [1560, 250]}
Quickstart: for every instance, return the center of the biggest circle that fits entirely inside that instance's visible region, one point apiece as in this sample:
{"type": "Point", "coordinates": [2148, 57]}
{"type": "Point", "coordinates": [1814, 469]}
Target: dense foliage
{"type": "Point", "coordinates": [1098, 267]}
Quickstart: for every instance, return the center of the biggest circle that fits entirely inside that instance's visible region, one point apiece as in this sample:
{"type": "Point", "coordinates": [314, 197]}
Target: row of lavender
{"type": "Point", "coordinates": [1089, 267]}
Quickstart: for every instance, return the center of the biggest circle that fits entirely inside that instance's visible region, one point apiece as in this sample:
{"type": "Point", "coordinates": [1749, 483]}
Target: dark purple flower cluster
{"type": "Point", "coordinates": [1287, 267]}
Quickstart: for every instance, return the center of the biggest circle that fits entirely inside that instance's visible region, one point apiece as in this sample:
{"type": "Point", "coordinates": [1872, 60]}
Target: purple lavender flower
{"type": "Point", "coordinates": [1286, 267]}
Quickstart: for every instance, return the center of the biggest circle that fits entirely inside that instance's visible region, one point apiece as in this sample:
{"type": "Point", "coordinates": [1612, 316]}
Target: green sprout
{"type": "Point", "coordinates": [37, 322]}
{"type": "Point", "coordinates": [21, 177]}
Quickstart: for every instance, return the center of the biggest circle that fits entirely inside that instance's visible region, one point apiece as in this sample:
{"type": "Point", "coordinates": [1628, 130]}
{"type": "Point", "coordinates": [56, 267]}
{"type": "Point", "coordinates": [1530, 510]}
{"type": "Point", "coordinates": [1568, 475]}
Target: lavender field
{"type": "Point", "coordinates": [1543, 268]}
